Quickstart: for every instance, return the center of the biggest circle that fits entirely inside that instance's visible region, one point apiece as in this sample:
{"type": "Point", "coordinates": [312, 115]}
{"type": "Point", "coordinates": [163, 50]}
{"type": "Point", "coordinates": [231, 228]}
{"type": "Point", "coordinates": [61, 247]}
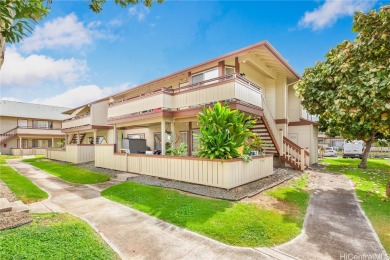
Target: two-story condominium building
{"type": "Point", "coordinates": [27, 128]}
{"type": "Point", "coordinates": [142, 120]}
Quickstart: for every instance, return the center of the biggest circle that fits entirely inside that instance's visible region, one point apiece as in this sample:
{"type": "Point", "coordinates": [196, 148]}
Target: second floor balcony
{"type": "Point", "coordinates": [83, 120]}
{"type": "Point", "coordinates": [225, 88]}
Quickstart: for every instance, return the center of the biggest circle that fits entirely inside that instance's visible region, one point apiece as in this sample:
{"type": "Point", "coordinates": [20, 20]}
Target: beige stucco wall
{"type": "Point", "coordinates": [294, 105]}
{"type": "Point", "coordinates": [99, 113]}
{"type": "Point", "coordinates": [7, 123]}
{"type": "Point", "coordinates": [306, 137]}
{"type": "Point", "coordinates": [280, 97]}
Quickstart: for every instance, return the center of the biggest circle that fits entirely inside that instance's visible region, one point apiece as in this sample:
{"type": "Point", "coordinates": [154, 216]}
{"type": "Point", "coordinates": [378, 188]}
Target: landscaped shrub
{"type": "Point", "coordinates": [224, 132]}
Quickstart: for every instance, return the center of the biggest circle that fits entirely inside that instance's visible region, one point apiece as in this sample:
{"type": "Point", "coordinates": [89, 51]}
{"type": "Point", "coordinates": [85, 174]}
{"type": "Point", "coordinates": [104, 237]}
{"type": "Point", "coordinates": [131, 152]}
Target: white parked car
{"type": "Point", "coordinates": [330, 152]}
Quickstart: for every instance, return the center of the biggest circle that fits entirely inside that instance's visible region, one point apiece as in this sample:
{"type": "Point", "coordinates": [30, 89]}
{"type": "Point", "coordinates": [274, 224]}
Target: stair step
{"type": "Point", "coordinates": [5, 205]}
{"type": "Point", "coordinates": [19, 206]}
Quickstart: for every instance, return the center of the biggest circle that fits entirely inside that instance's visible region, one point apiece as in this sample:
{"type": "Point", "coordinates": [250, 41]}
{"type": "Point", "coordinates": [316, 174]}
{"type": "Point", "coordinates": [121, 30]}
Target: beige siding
{"type": "Point", "coordinates": [9, 144]}
{"type": "Point", "coordinates": [7, 123]}
{"type": "Point", "coordinates": [203, 95]}
{"type": "Point", "coordinates": [57, 124]}
{"type": "Point", "coordinates": [48, 132]}
{"type": "Point", "coordinates": [227, 174]}
{"type": "Point", "coordinates": [253, 75]}
{"type": "Point", "coordinates": [105, 158]}
{"type": "Point", "coordinates": [270, 95]}
{"type": "Point", "coordinates": [99, 113]}
{"type": "Point", "coordinates": [86, 120]}
{"type": "Point", "coordinates": [306, 137]}
{"type": "Point", "coordinates": [294, 106]}
{"type": "Point", "coordinates": [72, 153]}
{"type": "Point", "coordinates": [140, 104]}
{"type": "Point", "coordinates": [281, 98]}
{"type": "Point", "coordinates": [32, 151]}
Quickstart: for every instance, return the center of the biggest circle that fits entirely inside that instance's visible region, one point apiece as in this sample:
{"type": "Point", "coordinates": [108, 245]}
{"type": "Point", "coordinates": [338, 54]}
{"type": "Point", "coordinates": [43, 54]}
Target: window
{"type": "Point", "coordinates": [195, 141]}
{"type": "Point", "coordinates": [229, 70]}
{"type": "Point", "coordinates": [41, 143]}
{"type": "Point", "coordinates": [22, 122]}
{"type": "Point", "coordinates": [184, 138]}
{"type": "Point", "coordinates": [210, 74]}
{"type": "Point", "coordinates": [136, 136]}
{"type": "Point", "coordinates": [157, 141]}
{"type": "Point", "coordinates": [42, 124]}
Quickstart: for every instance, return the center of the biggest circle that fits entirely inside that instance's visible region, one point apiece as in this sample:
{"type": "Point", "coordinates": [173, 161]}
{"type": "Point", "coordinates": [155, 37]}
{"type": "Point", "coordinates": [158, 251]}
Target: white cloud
{"type": "Point", "coordinates": [327, 14]}
{"type": "Point", "coordinates": [59, 33]}
{"type": "Point", "coordinates": [19, 70]}
{"type": "Point", "coordinates": [139, 11]}
{"type": "Point", "coordinates": [79, 95]}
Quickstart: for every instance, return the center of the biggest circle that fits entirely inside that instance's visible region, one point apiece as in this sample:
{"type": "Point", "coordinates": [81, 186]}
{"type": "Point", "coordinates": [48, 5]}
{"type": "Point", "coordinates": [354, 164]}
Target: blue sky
{"type": "Point", "coordinates": [75, 56]}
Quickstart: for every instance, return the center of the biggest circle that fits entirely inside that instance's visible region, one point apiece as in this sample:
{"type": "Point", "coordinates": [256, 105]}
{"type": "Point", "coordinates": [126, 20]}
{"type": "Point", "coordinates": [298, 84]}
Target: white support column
{"type": "Point", "coordinates": [52, 142]}
{"type": "Point", "coordinates": [94, 137]}
{"type": "Point", "coordinates": [115, 139]}
{"type": "Point", "coordinates": [173, 134]}
{"type": "Point", "coordinates": [281, 144]}
{"type": "Point", "coordinates": [302, 158]}
{"type": "Point", "coordinates": [163, 137]}
{"type": "Point", "coordinates": [78, 138]}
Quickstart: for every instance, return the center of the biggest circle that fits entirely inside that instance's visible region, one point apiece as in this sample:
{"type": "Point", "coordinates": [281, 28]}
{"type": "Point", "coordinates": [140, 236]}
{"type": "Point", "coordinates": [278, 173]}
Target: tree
{"type": "Point", "coordinates": [350, 90]}
{"type": "Point", "coordinates": [223, 132]}
{"type": "Point", "coordinates": [17, 17]}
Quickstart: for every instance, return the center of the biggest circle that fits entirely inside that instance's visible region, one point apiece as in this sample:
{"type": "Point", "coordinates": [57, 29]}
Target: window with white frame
{"type": "Point", "coordinates": [206, 75]}
{"type": "Point", "coordinates": [22, 122]}
{"type": "Point", "coordinates": [229, 70]}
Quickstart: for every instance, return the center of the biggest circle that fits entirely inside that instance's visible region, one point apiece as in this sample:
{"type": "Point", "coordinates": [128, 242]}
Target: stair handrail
{"type": "Point", "coordinates": [8, 134]}
{"type": "Point", "coordinates": [301, 153]}
{"type": "Point", "coordinates": [271, 123]}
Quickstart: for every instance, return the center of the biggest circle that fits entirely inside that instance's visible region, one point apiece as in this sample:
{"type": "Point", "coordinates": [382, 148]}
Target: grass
{"type": "Point", "coordinates": [370, 186]}
{"type": "Point", "coordinates": [4, 158]}
{"type": "Point", "coordinates": [234, 223]}
{"type": "Point", "coordinates": [23, 188]}
{"type": "Point", "coordinates": [54, 236]}
{"type": "Point", "coordinates": [68, 172]}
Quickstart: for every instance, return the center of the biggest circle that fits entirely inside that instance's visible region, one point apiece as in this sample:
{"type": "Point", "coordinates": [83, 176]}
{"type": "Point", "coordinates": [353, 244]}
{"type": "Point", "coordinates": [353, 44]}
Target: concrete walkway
{"type": "Point", "coordinates": [132, 234]}
{"type": "Point", "coordinates": [335, 226]}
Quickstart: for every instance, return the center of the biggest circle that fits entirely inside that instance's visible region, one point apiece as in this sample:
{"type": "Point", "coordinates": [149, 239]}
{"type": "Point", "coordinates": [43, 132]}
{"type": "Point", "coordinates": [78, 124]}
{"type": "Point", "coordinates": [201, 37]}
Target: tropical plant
{"type": "Point", "coordinates": [350, 89]}
{"type": "Point", "coordinates": [223, 132]}
{"type": "Point", "coordinates": [181, 151]}
{"type": "Point", "coordinates": [257, 144]}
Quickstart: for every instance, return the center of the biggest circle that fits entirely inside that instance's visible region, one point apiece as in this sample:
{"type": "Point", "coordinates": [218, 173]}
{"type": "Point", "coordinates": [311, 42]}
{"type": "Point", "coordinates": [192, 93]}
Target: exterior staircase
{"type": "Point", "coordinates": [8, 135]}
{"type": "Point", "coordinates": [278, 145]}
{"type": "Point", "coordinates": [74, 139]}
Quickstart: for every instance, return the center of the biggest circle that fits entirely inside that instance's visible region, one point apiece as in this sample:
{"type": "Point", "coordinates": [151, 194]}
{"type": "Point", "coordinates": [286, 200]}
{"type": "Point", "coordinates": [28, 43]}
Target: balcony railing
{"type": "Point", "coordinates": [76, 122]}
{"type": "Point", "coordinates": [229, 87]}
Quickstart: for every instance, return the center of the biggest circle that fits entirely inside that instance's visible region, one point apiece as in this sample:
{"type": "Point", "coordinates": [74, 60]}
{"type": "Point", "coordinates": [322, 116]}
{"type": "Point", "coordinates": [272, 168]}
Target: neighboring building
{"type": "Point", "coordinates": [87, 124]}
{"type": "Point", "coordinates": [255, 80]}
{"type": "Point", "coordinates": [26, 128]}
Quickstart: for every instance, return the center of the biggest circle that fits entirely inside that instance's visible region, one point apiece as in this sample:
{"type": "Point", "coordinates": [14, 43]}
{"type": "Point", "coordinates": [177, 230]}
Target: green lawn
{"type": "Point", "coordinates": [3, 158]}
{"type": "Point", "coordinates": [234, 223]}
{"type": "Point", "coordinates": [68, 172]}
{"type": "Point", "coordinates": [54, 236]}
{"type": "Point", "coordinates": [23, 188]}
{"type": "Point", "coordinates": [371, 190]}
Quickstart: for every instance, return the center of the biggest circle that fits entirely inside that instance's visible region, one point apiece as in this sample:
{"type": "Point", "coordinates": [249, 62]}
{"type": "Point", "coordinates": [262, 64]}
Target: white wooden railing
{"type": "Point", "coordinates": [225, 88]}
{"type": "Point", "coordinates": [82, 121]}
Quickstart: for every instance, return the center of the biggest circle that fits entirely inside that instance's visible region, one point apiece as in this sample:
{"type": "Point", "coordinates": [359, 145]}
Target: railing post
{"type": "Point", "coordinates": [302, 159]}
{"type": "Point", "coordinates": [281, 142]}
